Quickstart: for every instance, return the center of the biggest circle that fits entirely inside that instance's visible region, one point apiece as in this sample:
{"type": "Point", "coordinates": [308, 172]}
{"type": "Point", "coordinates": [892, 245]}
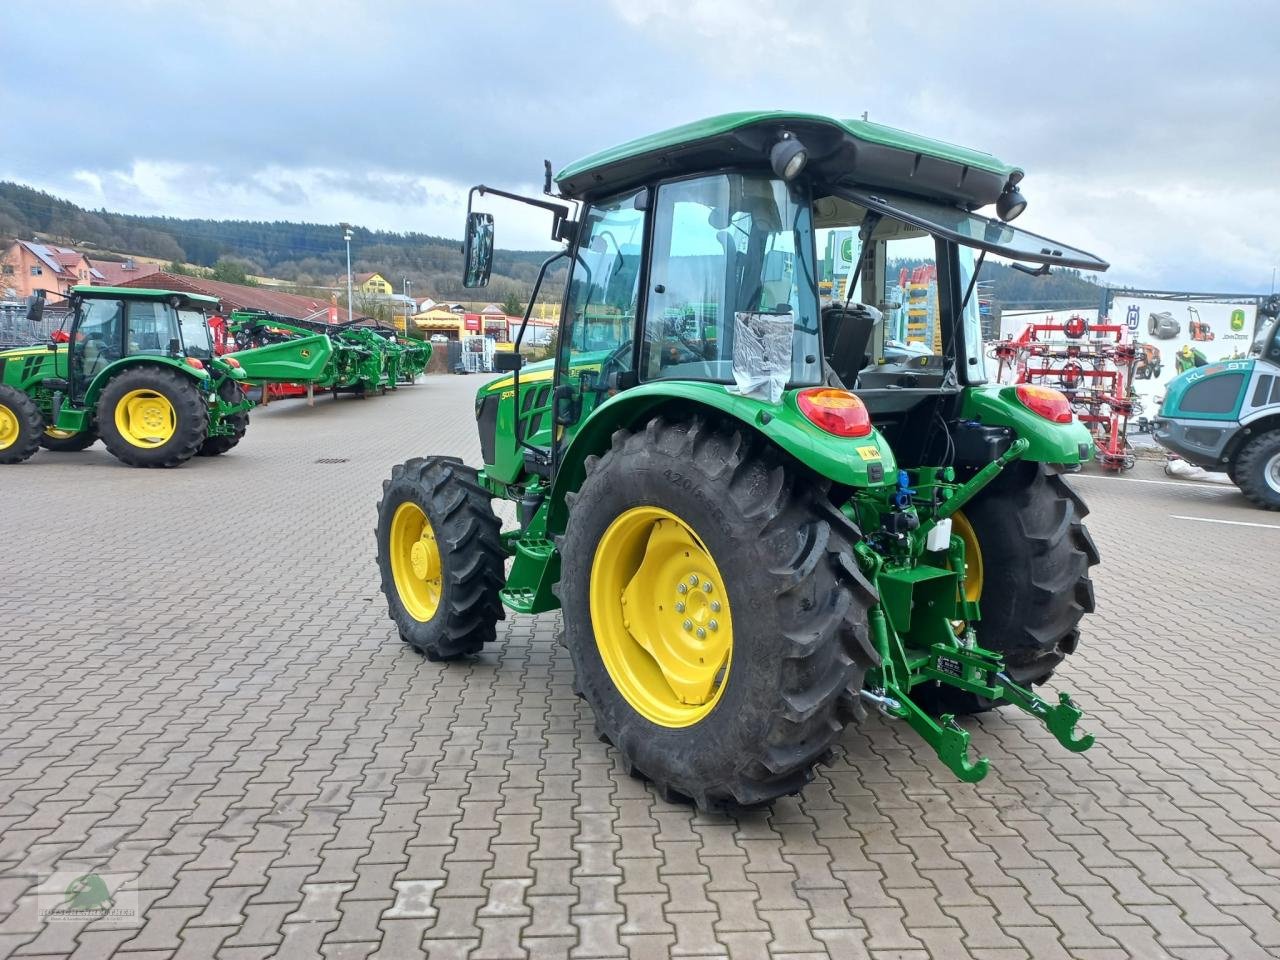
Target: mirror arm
{"type": "Point", "coordinates": [524, 323]}
{"type": "Point", "coordinates": [562, 227]}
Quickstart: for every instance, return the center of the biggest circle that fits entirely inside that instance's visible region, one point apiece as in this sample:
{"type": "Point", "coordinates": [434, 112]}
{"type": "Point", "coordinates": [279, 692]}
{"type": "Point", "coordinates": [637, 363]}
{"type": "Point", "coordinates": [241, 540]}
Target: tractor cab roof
{"type": "Point", "coordinates": [848, 152]}
{"type": "Point", "coordinates": [144, 293]}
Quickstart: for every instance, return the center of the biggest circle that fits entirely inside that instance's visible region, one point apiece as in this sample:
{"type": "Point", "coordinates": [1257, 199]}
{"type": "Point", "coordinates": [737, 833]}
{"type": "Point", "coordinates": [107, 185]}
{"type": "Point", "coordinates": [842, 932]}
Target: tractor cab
{"type": "Point", "coordinates": [111, 324]}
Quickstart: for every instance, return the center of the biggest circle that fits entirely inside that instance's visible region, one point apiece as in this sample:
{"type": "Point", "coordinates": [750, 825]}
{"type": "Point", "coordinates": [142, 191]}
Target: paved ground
{"type": "Point", "coordinates": [203, 703]}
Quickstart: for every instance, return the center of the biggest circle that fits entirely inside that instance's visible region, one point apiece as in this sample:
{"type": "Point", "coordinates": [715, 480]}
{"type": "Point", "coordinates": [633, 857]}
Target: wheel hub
{"type": "Point", "coordinates": [146, 418]}
{"type": "Point", "coordinates": [415, 562]}
{"type": "Point", "coordinates": [8, 428]}
{"type": "Point", "coordinates": [661, 616]}
{"type": "Point", "coordinates": [1272, 473]}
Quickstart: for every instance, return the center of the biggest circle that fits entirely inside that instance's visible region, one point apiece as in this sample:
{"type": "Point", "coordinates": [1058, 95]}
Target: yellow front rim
{"type": "Point", "coordinates": [146, 418]}
{"type": "Point", "coordinates": [973, 576]}
{"type": "Point", "coordinates": [661, 617]}
{"type": "Point", "coordinates": [9, 427]}
{"type": "Point", "coordinates": [415, 562]}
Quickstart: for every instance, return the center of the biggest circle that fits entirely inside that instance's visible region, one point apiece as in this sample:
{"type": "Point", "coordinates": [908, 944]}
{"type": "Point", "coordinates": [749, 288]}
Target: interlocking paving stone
{"type": "Point", "coordinates": [221, 709]}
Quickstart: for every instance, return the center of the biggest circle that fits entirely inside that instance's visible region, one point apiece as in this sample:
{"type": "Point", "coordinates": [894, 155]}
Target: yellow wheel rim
{"type": "Point", "coordinates": [415, 562]}
{"type": "Point", "coordinates": [660, 613]}
{"type": "Point", "coordinates": [9, 427]}
{"type": "Point", "coordinates": [973, 577]}
{"type": "Point", "coordinates": [146, 418]}
{"type": "Point", "coordinates": [57, 434]}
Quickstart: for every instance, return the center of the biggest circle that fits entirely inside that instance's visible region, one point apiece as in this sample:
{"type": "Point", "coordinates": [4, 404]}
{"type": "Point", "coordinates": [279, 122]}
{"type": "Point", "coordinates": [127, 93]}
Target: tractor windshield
{"type": "Point", "coordinates": [732, 293]}
{"type": "Point", "coordinates": [195, 334]}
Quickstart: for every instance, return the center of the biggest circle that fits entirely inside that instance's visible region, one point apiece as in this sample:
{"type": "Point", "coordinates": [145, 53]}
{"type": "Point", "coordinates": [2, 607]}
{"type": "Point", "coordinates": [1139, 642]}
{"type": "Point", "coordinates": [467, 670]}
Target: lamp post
{"type": "Point", "coordinates": [408, 304]}
{"type": "Point", "coordinates": [346, 235]}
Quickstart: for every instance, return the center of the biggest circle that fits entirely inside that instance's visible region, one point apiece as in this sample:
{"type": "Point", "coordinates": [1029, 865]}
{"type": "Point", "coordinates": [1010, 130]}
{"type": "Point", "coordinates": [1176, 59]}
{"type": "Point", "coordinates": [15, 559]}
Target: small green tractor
{"type": "Point", "coordinates": [757, 521]}
{"type": "Point", "coordinates": [138, 370]}
{"type": "Point", "coordinates": [1225, 416]}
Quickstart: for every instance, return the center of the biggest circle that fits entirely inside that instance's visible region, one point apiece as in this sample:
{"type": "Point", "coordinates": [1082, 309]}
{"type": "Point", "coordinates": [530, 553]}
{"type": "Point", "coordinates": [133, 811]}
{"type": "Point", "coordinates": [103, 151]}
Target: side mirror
{"type": "Point", "coordinates": [477, 250]}
{"type": "Point", "coordinates": [507, 361]}
{"type": "Point", "coordinates": [35, 307]}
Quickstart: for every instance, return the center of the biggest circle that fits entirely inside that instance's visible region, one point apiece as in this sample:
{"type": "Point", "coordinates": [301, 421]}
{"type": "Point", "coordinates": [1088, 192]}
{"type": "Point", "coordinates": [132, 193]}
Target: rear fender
{"type": "Point", "coordinates": [1067, 443]}
{"type": "Point", "coordinates": [848, 461]}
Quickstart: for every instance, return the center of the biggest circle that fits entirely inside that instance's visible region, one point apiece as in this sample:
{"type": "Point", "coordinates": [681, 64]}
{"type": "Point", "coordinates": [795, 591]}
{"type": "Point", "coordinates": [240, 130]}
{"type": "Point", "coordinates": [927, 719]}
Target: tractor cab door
{"type": "Point", "coordinates": [97, 341]}
{"type": "Point", "coordinates": [595, 356]}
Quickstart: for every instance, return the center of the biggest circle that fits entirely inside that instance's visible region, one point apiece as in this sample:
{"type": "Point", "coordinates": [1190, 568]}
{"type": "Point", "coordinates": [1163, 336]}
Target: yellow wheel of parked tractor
{"type": "Point", "coordinates": [974, 578]}
{"type": "Point", "coordinates": [146, 418]}
{"type": "Point", "coordinates": [717, 626]}
{"type": "Point", "coordinates": [415, 562]}
{"type": "Point", "coordinates": [440, 557]}
{"type": "Point", "coordinates": [661, 616]}
{"type": "Point", "coordinates": [9, 428]}
{"type": "Point", "coordinates": [20, 425]}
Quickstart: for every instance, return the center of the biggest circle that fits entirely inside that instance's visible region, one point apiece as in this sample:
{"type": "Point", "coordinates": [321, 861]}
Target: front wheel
{"type": "Point", "coordinates": [1256, 470]}
{"type": "Point", "coordinates": [20, 425]}
{"type": "Point", "coordinates": [440, 557]}
{"type": "Point", "coordinates": [1027, 554]}
{"type": "Point", "coordinates": [68, 441]}
{"type": "Point", "coordinates": [715, 617]}
{"type": "Point", "coordinates": [152, 416]}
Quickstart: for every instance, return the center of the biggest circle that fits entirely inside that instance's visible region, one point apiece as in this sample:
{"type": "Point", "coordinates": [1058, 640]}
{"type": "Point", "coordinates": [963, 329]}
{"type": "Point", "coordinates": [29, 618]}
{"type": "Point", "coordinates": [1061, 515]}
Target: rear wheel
{"type": "Point", "coordinates": [1256, 470]}
{"type": "Point", "coordinates": [715, 617]}
{"type": "Point", "coordinates": [152, 417]}
{"type": "Point", "coordinates": [1024, 538]}
{"type": "Point", "coordinates": [237, 422]}
{"type": "Point", "coordinates": [440, 557]}
{"type": "Point", "coordinates": [20, 425]}
{"type": "Point", "coordinates": [68, 441]}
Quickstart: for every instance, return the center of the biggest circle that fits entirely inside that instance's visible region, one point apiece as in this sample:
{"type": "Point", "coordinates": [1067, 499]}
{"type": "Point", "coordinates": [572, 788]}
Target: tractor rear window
{"type": "Point", "coordinates": [729, 252]}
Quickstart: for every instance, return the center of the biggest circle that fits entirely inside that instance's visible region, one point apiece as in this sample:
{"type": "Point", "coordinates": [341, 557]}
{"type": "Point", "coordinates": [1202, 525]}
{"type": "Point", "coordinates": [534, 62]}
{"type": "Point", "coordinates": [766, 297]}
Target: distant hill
{"type": "Point", "coordinates": [313, 254]}
{"type": "Point", "coordinates": [307, 254]}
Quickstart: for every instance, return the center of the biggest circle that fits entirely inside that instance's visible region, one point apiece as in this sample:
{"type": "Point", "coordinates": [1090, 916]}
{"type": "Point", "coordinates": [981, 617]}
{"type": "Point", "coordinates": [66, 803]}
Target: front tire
{"type": "Point", "coordinates": [239, 423]}
{"type": "Point", "coordinates": [21, 425]}
{"type": "Point", "coordinates": [1256, 470]}
{"type": "Point", "coordinates": [67, 441]}
{"type": "Point", "coordinates": [736, 716]}
{"type": "Point", "coordinates": [152, 416]}
{"type": "Point", "coordinates": [1034, 554]}
{"type": "Point", "coordinates": [440, 557]}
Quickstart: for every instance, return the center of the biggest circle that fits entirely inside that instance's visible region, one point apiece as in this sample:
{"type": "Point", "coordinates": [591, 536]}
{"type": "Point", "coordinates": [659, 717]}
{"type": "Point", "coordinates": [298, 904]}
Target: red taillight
{"type": "Point", "coordinates": [1048, 403]}
{"type": "Point", "coordinates": [838, 412]}
{"type": "Point", "coordinates": [194, 362]}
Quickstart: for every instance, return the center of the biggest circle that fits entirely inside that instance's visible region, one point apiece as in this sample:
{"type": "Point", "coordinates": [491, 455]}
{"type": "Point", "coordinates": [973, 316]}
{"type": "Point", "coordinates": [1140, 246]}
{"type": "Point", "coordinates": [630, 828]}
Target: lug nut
{"type": "Point", "coordinates": [715, 606]}
{"type": "Point", "coordinates": [681, 588]}
{"type": "Point", "coordinates": [713, 625]}
{"type": "Point", "coordinates": [688, 624]}
{"type": "Point", "coordinates": [702, 634]}
{"type": "Point", "coordinates": [693, 579]}
{"type": "Point", "coordinates": [707, 586]}
{"type": "Point", "coordinates": [679, 606]}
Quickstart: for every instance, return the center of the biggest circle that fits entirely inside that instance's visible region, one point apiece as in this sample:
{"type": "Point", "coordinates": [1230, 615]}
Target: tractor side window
{"type": "Point", "coordinates": [729, 251]}
{"type": "Point", "coordinates": [151, 328]}
{"type": "Point", "coordinates": [195, 335]}
{"type": "Point", "coordinates": [98, 339]}
{"type": "Point", "coordinates": [604, 288]}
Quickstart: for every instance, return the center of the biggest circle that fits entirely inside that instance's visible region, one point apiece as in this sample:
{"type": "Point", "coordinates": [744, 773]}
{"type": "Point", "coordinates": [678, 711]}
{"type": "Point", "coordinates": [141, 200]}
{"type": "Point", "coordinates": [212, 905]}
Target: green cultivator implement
{"type": "Point", "coordinates": [758, 514]}
{"type": "Point", "coordinates": [356, 358]}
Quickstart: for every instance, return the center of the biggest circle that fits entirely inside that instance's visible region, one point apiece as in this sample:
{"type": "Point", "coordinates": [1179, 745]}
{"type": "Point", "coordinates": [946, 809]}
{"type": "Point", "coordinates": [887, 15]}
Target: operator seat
{"type": "Point", "coordinates": [846, 335]}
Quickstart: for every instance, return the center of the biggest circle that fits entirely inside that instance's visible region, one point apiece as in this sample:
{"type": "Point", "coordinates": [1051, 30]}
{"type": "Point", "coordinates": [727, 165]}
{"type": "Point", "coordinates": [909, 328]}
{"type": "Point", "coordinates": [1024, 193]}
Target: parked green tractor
{"type": "Point", "coordinates": [137, 370]}
{"type": "Point", "coordinates": [1225, 416]}
{"type": "Point", "coordinates": [757, 521]}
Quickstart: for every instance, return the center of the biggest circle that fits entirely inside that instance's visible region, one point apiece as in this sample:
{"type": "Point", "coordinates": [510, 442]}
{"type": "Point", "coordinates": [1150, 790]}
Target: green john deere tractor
{"type": "Point", "coordinates": [137, 370]}
{"type": "Point", "coordinates": [757, 521]}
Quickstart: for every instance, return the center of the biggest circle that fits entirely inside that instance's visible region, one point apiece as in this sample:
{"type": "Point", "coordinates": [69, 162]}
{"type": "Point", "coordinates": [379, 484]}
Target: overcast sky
{"type": "Point", "coordinates": [1149, 130]}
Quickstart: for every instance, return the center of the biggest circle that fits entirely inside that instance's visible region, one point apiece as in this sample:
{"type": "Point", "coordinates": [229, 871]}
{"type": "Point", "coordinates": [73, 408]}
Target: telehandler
{"type": "Point", "coordinates": [756, 522]}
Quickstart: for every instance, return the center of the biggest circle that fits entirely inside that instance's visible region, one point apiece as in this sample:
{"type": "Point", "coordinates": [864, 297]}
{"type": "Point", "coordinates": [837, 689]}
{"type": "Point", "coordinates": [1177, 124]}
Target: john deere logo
{"type": "Point", "coordinates": [1237, 320]}
{"type": "Point", "coordinates": [87, 893]}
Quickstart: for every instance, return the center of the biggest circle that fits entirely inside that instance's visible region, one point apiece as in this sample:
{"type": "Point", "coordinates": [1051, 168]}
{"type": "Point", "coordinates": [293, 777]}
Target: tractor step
{"type": "Point", "coordinates": [535, 568]}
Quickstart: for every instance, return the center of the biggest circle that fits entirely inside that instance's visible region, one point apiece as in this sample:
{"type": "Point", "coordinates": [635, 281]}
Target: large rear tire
{"type": "Point", "coordinates": [152, 416]}
{"type": "Point", "coordinates": [715, 617]}
{"type": "Point", "coordinates": [1256, 470]}
{"type": "Point", "coordinates": [440, 557]}
{"type": "Point", "coordinates": [239, 423]}
{"type": "Point", "coordinates": [1034, 556]}
{"type": "Point", "coordinates": [21, 425]}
